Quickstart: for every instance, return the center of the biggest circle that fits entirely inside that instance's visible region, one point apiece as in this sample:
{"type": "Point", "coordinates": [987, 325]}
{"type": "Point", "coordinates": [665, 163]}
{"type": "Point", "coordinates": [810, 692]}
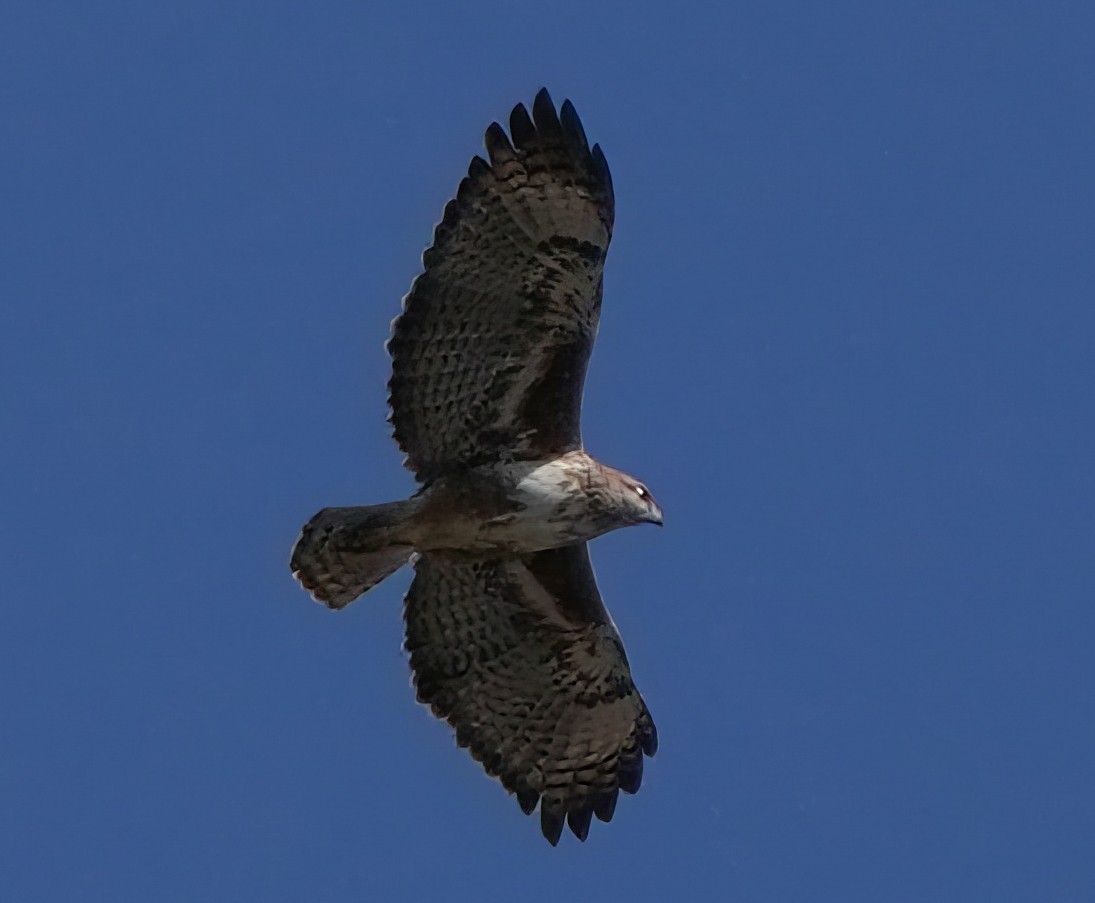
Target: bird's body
{"type": "Point", "coordinates": [508, 638]}
{"type": "Point", "coordinates": [522, 506]}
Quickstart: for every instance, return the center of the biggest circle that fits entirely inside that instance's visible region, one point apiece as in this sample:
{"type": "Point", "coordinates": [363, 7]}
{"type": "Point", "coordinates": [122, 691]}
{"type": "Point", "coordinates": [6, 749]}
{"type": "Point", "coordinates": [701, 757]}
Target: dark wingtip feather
{"type": "Point", "coordinates": [521, 127]}
{"type": "Point", "coordinates": [451, 214]}
{"type": "Point", "coordinates": [600, 166]}
{"type": "Point", "coordinates": [498, 144]}
{"type": "Point", "coordinates": [543, 112]}
{"type": "Point", "coordinates": [527, 800]}
{"type": "Point", "coordinates": [478, 168]}
{"type": "Point", "coordinates": [630, 774]}
{"type": "Point", "coordinates": [464, 736]}
{"type": "Point", "coordinates": [573, 132]}
{"type": "Point", "coordinates": [605, 805]}
{"type": "Point", "coordinates": [464, 190]}
{"type": "Point", "coordinates": [552, 818]}
{"type": "Point", "coordinates": [648, 734]}
{"type": "Point", "coordinates": [579, 820]}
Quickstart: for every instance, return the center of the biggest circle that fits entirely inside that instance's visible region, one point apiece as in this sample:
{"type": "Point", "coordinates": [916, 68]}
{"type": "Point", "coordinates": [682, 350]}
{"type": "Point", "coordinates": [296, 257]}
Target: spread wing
{"type": "Point", "coordinates": [490, 352]}
{"type": "Point", "coordinates": [521, 657]}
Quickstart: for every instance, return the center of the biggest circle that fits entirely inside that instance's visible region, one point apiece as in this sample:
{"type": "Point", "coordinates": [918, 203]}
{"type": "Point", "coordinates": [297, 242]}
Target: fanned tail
{"type": "Point", "coordinates": [344, 552]}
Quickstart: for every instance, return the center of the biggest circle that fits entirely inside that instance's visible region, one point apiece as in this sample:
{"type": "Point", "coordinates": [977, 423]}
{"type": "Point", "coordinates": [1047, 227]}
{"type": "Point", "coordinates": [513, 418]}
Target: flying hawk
{"type": "Point", "coordinates": [508, 638]}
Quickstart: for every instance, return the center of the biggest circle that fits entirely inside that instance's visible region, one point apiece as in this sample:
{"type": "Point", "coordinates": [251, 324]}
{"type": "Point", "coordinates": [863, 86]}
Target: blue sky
{"type": "Point", "coordinates": [847, 340]}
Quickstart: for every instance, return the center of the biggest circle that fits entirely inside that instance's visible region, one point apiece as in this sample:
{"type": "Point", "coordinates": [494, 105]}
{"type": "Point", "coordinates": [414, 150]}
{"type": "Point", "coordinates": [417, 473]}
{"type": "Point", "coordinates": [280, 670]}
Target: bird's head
{"type": "Point", "coordinates": [637, 502]}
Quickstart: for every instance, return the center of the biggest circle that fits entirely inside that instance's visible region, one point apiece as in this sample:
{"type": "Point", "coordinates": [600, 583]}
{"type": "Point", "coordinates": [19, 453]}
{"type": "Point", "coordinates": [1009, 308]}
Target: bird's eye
{"type": "Point", "coordinates": [641, 490]}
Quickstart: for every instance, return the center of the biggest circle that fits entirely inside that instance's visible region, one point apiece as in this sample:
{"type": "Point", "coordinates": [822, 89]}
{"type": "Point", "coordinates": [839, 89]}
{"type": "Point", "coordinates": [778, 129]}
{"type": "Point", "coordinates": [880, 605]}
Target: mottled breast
{"type": "Point", "coordinates": [520, 506]}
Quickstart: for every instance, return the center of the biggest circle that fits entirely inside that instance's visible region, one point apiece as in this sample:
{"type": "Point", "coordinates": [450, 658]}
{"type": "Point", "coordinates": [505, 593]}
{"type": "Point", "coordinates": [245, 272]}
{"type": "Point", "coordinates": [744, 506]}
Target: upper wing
{"type": "Point", "coordinates": [490, 352]}
{"type": "Point", "coordinates": [521, 657]}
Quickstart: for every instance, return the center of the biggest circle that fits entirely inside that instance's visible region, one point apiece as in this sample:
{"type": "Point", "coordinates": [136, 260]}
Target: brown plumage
{"type": "Point", "coordinates": [508, 638]}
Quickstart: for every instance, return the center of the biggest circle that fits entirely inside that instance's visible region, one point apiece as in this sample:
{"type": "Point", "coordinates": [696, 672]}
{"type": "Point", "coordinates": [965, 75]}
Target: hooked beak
{"type": "Point", "coordinates": [654, 516]}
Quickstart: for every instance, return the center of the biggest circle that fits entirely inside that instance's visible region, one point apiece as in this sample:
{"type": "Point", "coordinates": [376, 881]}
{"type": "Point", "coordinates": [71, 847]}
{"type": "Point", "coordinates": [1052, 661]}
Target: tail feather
{"type": "Point", "coordinates": [343, 552]}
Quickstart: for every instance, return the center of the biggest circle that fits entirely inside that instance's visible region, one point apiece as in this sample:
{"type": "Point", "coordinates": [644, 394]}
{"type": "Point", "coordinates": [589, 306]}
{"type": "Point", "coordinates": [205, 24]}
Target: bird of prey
{"type": "Point", "coordinates": [507, 635]}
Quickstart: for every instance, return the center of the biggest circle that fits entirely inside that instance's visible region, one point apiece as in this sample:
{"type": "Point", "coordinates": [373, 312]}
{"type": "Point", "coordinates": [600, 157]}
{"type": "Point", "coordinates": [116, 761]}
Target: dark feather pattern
{"type": "Point", "coordinates": [520, 656]}
{"type": "Point", "coordinates": [508, 642]}
{"type": "Point", "coordinates": [489, 356]}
